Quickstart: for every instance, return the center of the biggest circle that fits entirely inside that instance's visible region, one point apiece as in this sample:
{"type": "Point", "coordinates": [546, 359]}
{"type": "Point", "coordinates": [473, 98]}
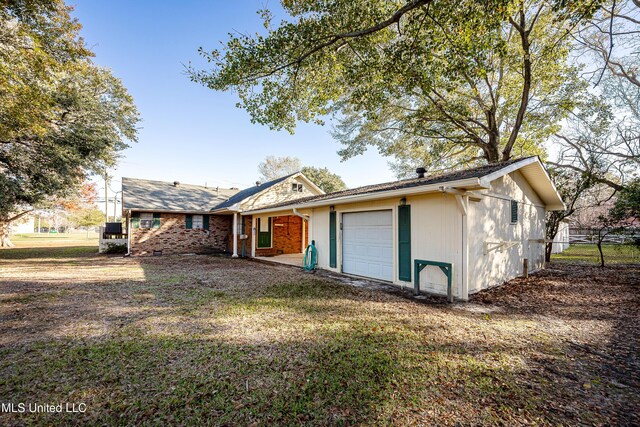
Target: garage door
{"type": "Point", "coordinates": [367, 244]}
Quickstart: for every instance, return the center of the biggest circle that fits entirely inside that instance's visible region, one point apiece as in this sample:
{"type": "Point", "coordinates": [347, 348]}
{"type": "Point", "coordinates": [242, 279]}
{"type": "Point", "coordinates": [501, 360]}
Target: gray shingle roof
{"type": "Point", "coordinates": [248, 192]}
{"type": "Point", "coordinates": [143, 194]}
{"type": "Point", "coordinates": [477, 172]}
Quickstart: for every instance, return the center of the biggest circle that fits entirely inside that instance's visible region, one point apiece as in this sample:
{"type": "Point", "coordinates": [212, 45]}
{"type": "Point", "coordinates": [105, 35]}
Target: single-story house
{"type": "Point", "coordinates": [452, 234]}
{"type": "Point", "coordinates": [457, 232]}
{"type": "Point", "coordinates": [170, 217]}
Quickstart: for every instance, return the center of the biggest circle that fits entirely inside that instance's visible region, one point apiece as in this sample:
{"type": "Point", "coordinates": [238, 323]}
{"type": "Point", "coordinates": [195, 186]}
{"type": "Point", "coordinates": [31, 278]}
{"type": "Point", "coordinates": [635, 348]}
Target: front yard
{"type": "Point", "coordinates": [208, 340]}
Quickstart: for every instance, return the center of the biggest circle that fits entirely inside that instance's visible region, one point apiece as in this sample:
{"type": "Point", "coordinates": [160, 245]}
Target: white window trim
{"type": "Point", "coordinates": [195, 226]}
{"type": "Point", "coordinates": [146, 220]}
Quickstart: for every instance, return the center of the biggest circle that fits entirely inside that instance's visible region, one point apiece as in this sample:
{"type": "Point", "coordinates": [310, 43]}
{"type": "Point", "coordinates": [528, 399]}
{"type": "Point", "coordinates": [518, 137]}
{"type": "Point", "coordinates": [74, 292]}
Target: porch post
{"type": "Point", "coordinates": [303, 234]}
{"type": "Point", "coordinates": [253, 236]}
{"type": "Point", "coordinates": [235, 235]}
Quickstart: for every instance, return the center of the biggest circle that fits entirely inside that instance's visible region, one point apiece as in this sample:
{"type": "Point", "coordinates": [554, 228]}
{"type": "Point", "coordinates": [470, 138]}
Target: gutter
{"type": "Point", "coordinates": [473, 183]}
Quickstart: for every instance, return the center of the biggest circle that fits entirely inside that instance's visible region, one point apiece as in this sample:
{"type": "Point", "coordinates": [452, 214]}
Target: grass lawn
{"type": "Point", "coordinates": [39, 240]}
{"type": "Point", "coordinates": [614, 254]}
{"type": "Point", "coordinates": [204, 340]}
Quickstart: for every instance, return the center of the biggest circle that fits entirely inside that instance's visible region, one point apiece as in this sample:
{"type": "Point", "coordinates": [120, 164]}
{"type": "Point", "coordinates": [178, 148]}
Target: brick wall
{"type": "Point", "coordinates": [173, 237]}
{"type": "Point", "coordinates": [287, 236]}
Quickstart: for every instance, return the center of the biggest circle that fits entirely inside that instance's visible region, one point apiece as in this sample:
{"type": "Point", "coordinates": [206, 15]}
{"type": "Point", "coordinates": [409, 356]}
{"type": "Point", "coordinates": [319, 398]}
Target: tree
{"type": "Point", "coordinates": [275, 167]}
{"type": "Point", "coordinates": [323, 178]}
{"type": "Point", "coordinates": [451, 83]}
{"type": "Point", "coordinates": [572, 187]}
{"type": "Point", "coordinates": [62, 117]}
{"type": "Point", "coordinates": [611, 154]}
{"type": "Point", "coordinates": [87, 217]}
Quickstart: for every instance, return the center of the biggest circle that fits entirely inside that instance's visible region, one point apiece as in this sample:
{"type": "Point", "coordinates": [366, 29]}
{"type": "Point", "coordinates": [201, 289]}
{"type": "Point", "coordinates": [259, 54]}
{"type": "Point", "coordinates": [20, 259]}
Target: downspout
{"type": "Point", "coordinates": [296, 213]}
{"type": "Point", "coordinates": [462, 199]}
{"type": "Point", "coordinates": [128, 234]}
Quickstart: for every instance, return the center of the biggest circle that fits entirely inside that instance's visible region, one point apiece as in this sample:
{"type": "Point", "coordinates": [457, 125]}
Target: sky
{"type": "Point", "coordinates": [189, 133]}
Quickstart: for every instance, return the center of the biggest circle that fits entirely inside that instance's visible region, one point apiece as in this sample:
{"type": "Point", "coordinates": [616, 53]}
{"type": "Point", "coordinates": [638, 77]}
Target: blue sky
{"type": "Point", "coordinates": [190, 133]}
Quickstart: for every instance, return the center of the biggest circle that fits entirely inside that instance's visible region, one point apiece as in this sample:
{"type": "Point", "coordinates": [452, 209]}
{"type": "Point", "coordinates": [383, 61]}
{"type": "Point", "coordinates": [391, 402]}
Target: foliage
{"type": "Point", "coordinates": [448, 83]}
{"type": "Point", "coordinates": [325, 179]}
{"type": "Point", "coordinates": [275, 167]}
{"type": "Point", "coordinates": [627, 205]}
{"type": "Point", "coordinates": [62, 117]}
{"type": "Point", "coordinates": [572, 186]}
{"type": "Point", "coordinates": [115, 248]}
{"type": "Point", "coordinates": [87, 217]}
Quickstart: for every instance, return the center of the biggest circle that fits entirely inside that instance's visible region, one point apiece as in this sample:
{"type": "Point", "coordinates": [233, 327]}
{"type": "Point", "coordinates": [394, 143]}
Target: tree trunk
{"type": "Point", "coordinates": [601, 254]}
{"type": "Point", "coordinates": [5, 222]}
{"type": "Point", "coordinates": [5, 241]}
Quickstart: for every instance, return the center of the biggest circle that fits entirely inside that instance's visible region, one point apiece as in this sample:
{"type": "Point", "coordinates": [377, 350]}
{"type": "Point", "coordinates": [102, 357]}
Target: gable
{"type": "Point", "coordinates": [282, 192]}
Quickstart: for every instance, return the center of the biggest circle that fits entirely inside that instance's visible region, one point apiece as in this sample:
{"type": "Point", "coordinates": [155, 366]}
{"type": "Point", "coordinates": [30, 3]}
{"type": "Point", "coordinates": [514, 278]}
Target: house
{"type": "Point", "coordinates": [451, 234]}
{"type": "Point", "coordinates": [561, 240]}
{"type": "Point", "coordinates": [169, 218]}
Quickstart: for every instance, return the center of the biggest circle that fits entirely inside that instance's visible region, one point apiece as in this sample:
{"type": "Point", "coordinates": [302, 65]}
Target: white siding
{"type": "Point", "coordinates": [436, 235]}
{"type": "Point", "coordinates": [497, 247]}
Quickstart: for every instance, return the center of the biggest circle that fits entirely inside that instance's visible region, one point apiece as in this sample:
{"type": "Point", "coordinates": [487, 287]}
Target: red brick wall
{"type": "Point", "coordinates": [173, 237]}
{"type": "Point", "coordinates": [287, 236]}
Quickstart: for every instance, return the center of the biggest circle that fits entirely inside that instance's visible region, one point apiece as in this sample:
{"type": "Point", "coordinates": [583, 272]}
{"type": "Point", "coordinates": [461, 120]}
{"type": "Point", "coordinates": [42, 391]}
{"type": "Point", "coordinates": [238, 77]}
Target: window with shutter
{"type": "Point", "coordinates": [188, 221]}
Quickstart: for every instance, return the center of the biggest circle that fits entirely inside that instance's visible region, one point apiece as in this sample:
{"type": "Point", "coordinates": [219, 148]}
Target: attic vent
{"type": "Point", "coordinates": [421, 172]}
{"type": "Point", "coordinates": [258, 183]}
{"type": "Point", "coordinates": [176, 183]}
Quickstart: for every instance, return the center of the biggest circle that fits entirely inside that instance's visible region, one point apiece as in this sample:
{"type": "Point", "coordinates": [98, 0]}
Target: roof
{"type": "Point", "coordinates": [251, 191]}
{"type": "Point", "coordinates": [472, 176]}
{"type": "Point", "coordinates": [143, 194]}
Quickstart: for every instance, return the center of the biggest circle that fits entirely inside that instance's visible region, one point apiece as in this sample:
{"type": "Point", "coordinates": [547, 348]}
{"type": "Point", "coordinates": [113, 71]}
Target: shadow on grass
{"type": "Point", "coordinates": [62, 252]}
{"type": "Point", "coordinates": [204, 340]}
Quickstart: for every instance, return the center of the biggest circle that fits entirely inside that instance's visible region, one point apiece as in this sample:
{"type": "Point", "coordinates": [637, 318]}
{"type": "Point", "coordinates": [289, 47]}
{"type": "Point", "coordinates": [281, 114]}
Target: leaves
{"type": "Point", "coordinates": [61, 116]}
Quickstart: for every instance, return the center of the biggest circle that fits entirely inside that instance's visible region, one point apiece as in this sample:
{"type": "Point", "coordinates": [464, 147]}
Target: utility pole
{"type": "Point", "coordinates": [115, 205]}
{"type": "Point", "coordinates": [106, 196]}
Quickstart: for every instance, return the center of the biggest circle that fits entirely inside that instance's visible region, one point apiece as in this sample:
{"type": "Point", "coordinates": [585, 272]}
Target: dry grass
{"type": "Point", "coordinates": [207, 340]}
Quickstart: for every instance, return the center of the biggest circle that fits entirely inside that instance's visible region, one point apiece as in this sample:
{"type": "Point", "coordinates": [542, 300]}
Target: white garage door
{"type": "Point", "coordinates": [367, 244]}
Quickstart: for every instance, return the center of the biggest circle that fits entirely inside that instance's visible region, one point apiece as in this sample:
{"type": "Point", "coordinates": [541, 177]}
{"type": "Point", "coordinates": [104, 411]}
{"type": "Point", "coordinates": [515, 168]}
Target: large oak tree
{"type": "Point", "coordinates": [446, 83]}
{"type": "Point", "coordinates": [61, 116]}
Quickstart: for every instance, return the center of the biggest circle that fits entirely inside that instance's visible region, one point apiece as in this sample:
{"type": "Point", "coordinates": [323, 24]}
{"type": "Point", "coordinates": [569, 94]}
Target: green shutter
{"type": "Point", "coordinates": [156, 220]}
{"type": "Point", "coordinates": [404, 243]}
{"type": "Point", "coordinates": [514, 211]}
{"type": "Point", "coordinates": [205, 222]}
{"type": "Point", "coordinates": [264, 237]}
{"type": "Point", "coordinates": [189, 221]}
{"type": "Point", "coordinates": [135, 219]}
{"type": "Point", "coordinates": [332, 240]}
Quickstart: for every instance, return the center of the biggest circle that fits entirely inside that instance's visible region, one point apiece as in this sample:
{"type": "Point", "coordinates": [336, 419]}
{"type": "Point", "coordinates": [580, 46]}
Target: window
{"type": "Point", "coordinates": [514, 212]}
{"type": "Point", "coordinates": [197, 223]}
{"type": "Point", "coordinates": [297, 188]}
{"type": "Point", "coordinates": [146, 220]}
